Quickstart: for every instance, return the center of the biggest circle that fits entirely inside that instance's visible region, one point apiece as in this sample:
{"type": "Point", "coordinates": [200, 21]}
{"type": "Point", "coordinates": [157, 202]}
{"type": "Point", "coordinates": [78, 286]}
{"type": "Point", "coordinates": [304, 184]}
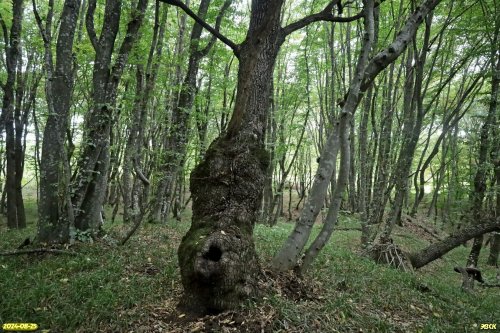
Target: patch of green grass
{"type": "Point", "coordinates": [108, 288]}
{"type": "Point", "coordinates": [104, 286]}
{"type": "Point", "coordinates": [359, 294]}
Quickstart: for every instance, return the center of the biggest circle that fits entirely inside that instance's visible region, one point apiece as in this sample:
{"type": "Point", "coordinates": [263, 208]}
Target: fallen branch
{"type": "Point", "coordinates": [40, 250]}
{"type": "Point", "coordinates": [427, 230]}
{"type": "Point", "coordinates": [348, 229]}
{"type": "Point", "coordinates": [487, 285]}
{"type": "Point", "coordinates": [137, 223]}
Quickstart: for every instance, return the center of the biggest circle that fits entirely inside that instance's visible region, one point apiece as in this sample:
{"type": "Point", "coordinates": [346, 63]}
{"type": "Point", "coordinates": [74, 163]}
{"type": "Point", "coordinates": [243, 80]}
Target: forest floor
{"type": "Point", "coordinates": [136, 287]}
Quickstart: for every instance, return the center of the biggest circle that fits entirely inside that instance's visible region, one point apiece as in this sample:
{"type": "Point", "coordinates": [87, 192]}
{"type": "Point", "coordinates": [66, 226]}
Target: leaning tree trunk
{"type": "Point", "coordinates": [437, 250]}
{"type": "Point", "coordinates": [217, 256]}
{"type": "Point", "coordinates": [413, 101]}
{"type": "Point", "coordinates": [344, 142]}
{"type": "Point", "coordinates": [287, 257]}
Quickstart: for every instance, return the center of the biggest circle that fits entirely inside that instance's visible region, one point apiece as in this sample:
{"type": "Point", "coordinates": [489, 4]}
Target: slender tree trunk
{"type": "Point", "coordinates": [452, 118]}
{"type": "Point", "coordinates": [487, 131]}
{"type": "Point", "coordinates": [13, 89]}
{"type": "Point", "coordinates": [494, 249]}
{"type": "Point", "coordinates": [55, 212]}
{"type": "Point", "coordinates": [175, 148]}
{"type": "Point", "coordinates": [413, 99]}
{"type": "Point", "coordinates": [333, 211]}
{"type": "Point", "coordinates": [344, 143]}
{"type": "Point", "coordinates": [132, 148]}
{"type": "Point", "coordinates": [90, 183]}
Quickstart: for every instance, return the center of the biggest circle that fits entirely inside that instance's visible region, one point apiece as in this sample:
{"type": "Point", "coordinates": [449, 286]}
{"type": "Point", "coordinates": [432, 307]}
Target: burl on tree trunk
{"type": "Point", "coordinates": [217, 256]}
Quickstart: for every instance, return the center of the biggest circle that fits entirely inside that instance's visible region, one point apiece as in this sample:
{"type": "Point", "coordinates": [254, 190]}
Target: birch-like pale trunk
{"type": "Point", "coordinates": [288, 255]}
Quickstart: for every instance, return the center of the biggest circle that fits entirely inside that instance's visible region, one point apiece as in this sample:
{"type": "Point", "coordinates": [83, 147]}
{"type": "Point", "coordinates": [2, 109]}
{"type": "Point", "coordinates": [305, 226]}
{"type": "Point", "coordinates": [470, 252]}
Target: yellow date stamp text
{"type": "Point", "coordinates": [19, 327]}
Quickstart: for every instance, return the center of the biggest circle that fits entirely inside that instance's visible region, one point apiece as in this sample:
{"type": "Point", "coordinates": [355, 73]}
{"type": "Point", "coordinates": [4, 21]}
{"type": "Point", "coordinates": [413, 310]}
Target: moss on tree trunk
{"type": "Point", "coordinates": [217, 256]}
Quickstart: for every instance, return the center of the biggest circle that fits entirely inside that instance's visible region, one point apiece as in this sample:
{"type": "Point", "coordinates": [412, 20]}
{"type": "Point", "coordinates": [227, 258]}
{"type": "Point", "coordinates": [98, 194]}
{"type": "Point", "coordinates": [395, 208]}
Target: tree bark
{"type": "Point", "coordinates": [217, 256]}
{"type": "Point", "coordinates": [13, 91]}
{"type": "Point", "coordinates": [89, 185]}
{"type": "Point", "coordinates": [55, 213]}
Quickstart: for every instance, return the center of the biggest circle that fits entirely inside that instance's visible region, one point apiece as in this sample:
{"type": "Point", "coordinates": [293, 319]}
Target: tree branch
{"type": "Point", "coordinates": [139, 174]}
{"type": "Point", "coordinates": [39, 23]}
{"type": "Point", "coordinates": [382, 59]}
{"type": "Point", "coordinates": [89, 24]}
{"type": "Point", "coordinates": [130, 37]}
{"type": "Point", "coordinates": [218, 22]}
{"type": "Point", "coordinates": [205, 25]}
{"type": "Point", "coordinates": [325, 15]}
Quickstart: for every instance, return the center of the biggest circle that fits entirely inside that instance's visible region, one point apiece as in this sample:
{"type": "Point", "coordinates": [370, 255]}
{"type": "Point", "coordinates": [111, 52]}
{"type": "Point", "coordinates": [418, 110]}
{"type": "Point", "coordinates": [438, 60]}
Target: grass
{"type": "Point", "coordinates": [134, 288]}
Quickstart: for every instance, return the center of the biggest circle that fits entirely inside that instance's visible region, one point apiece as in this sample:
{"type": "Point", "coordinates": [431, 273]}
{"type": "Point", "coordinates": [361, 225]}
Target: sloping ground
{"type": "Point", "coordinates": [136, 288]}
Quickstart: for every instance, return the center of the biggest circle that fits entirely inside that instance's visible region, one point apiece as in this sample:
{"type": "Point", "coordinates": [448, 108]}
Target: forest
{"type": "Point", "coordinates": [249, 165]}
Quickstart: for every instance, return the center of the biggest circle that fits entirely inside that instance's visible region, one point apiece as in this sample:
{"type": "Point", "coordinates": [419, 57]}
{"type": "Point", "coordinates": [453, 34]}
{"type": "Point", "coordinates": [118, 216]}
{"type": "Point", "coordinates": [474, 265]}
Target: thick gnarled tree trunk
{"type": "Point", "coordinates": [217, 256]}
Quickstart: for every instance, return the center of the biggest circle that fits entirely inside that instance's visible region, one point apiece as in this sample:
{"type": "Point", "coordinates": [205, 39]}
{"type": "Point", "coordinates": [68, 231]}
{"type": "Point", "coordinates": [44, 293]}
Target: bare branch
{"type": "Point", "coordinates": [205, 25]}
{"type": "Point", "coordinates": [325, 15]}
{"type": "Point", "coordinates": [139, 173]}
